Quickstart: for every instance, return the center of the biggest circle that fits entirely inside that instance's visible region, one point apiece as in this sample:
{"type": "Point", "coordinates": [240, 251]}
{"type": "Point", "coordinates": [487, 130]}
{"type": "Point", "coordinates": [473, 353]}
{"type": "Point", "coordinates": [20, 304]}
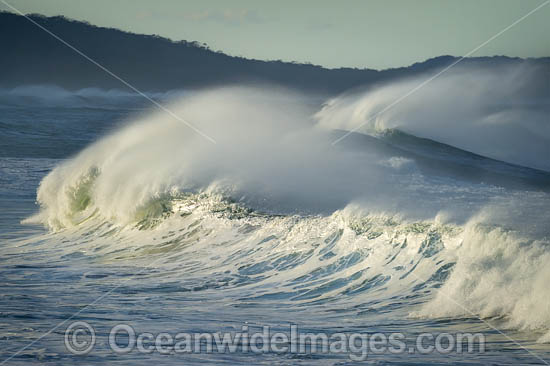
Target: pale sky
{"type": "Point", "coordinates": [365, 34]}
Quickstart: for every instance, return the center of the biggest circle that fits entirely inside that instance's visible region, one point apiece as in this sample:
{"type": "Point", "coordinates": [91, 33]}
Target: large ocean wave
{"type": "Point", "coordinates": [452, 226]}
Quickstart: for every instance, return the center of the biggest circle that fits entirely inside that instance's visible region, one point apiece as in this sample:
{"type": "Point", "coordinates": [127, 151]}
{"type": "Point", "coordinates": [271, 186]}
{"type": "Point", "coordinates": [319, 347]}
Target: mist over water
{"type": "Point", "coordinates": [500, 112]}
{"type": "Point", "coordinates": [274, 152]}
{"type": "Point", "coordinates": [268, 153]}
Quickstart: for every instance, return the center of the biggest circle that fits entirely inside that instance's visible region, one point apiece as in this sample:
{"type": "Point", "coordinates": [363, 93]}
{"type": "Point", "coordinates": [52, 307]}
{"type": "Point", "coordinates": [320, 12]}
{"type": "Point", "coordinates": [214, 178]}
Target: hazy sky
{"type": "Point", "coordinates": [370, 33]}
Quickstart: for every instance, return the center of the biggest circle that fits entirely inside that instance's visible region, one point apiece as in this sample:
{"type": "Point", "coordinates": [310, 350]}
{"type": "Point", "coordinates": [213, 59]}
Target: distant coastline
{"type": "Point", "coordinates": [30, 56]}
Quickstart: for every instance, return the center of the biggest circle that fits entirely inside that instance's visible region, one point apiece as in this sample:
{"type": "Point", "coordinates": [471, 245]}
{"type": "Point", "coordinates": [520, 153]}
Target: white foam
{"type": "Point", "coordinates": [497, 273]}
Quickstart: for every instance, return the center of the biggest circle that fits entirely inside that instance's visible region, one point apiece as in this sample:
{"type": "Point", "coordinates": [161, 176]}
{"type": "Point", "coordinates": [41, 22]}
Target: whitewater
{"type": "Point", "coordinates": [431, 216]}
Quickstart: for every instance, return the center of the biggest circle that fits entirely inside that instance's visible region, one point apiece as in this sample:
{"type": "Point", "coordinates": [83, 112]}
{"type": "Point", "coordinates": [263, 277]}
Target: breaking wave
{"type": "Point", "coordinates": [442, 227]}
{"type": "Point", "coordinates": [500, 112]}
{"type": "Point", "coordinates": [55, 96]}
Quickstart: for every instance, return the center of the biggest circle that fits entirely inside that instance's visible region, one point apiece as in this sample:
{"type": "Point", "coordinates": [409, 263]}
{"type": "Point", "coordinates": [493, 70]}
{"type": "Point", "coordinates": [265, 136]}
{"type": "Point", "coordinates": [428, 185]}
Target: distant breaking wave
{"type": "Point", "coordinates": [430, 204]}
{"type": "Point", "coordinates": [55, 96]}
{"type": "Point", "coordinates": [501, 112]}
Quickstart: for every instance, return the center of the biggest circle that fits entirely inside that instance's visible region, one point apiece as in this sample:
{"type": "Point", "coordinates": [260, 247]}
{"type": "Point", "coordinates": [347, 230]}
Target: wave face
{"type": "Point", "coordinates": [388, 221]}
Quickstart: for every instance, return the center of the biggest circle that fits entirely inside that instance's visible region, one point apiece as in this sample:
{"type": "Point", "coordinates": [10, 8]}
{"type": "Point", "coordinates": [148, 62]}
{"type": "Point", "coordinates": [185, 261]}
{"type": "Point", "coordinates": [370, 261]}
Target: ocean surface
{"type": "Point", "coordinates": [114, 212]}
